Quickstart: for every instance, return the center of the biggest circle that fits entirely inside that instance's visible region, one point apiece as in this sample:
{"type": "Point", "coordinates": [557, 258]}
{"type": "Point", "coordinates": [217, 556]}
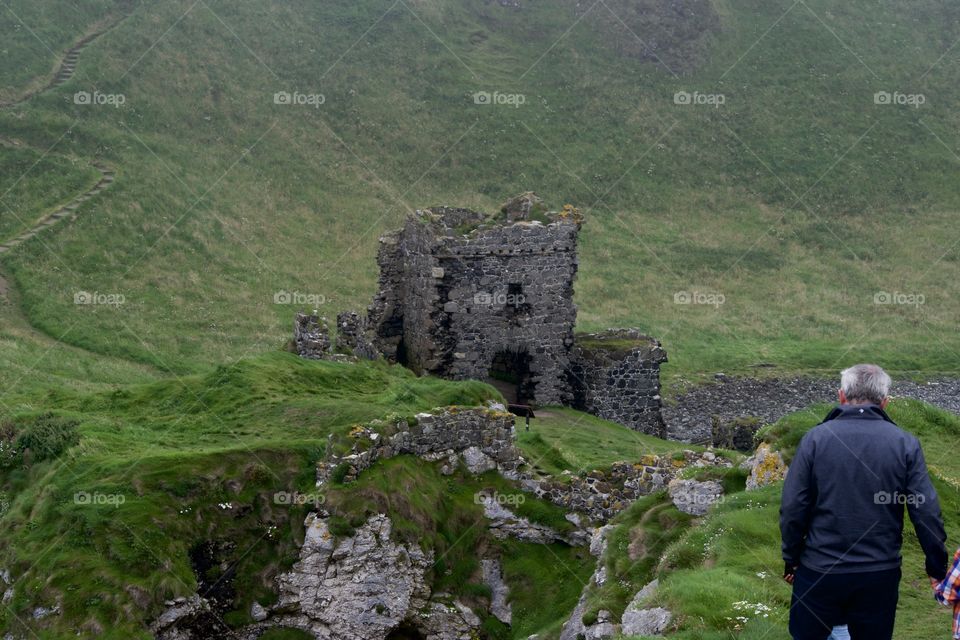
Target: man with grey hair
{"type": "Point", "coordinates": [841, 518]}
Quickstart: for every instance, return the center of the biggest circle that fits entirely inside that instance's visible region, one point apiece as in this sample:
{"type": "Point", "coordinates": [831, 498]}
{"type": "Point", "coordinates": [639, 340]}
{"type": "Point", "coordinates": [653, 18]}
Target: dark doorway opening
{"type": "Point", "coordinates": [510, 374]}
{"type": "Point", "coordinates": [405, 631]}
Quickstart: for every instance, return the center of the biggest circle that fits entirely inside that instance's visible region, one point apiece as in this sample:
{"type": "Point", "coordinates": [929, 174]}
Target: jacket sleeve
{"type": "Point", "coordinates": [799, 497]}
{"type": "Point", "coordinates": [923, 505]}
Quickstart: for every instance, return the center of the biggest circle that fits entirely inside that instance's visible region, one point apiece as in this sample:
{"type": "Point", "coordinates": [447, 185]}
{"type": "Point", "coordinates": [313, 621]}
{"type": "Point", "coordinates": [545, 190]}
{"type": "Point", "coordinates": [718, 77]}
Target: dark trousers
{"type": "Point", "coordinates": [867, 602]}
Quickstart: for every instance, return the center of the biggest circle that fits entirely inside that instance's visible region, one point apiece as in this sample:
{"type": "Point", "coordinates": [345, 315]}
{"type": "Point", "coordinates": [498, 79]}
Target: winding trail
{"type": "Point", "coordinates": [68, 64]}
{"type": "Point", "coordinates": [65, 71]}
{"type": "Point", "coordinates": [63, 212]}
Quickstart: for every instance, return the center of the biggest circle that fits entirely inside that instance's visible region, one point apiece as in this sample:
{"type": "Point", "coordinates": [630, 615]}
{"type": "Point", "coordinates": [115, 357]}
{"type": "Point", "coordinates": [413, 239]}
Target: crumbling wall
{"type": "Point", "coordinates": [466, 295]}
{"type": "Point", "coordinates": [483, 438]}
{"type": "Point", "coordinates": [616, 376]}
{"type": "Point", "coordinates": [458, 291]}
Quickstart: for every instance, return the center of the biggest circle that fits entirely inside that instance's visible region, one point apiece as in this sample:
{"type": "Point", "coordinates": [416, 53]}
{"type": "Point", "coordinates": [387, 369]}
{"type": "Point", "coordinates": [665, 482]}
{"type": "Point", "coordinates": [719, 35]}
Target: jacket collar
{"type": "Point", "coordinates": [858, 412]}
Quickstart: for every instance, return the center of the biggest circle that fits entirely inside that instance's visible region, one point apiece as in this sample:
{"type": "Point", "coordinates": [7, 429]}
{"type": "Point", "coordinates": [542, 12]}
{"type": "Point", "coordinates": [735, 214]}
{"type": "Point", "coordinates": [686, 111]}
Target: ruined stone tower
{"type": "Point", "coordinates": [465, 295]}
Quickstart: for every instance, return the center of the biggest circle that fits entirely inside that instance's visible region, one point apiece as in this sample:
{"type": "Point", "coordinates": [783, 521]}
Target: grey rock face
{"type": "Point", "coordinates": [506, 524]}
{"type": "Point", "coordinates": [573, 628]}
{"type": "Point", "coordinates": [442, 621]}
{"type": "Point", "coordinates": [179, 619]}
{"type": "Point", "coordinates": [646, 622]}
{"type": "Point", "coordinates": [640, 621]}
{"type": "Point", "coordinates": [484, 436]}
{"type": "Point", "coordinates": [693, 497]}
{"type": "Point", "coordinates": [257, 612]}
{"type": "Point", "coordinates": [500, 592]}
{"type": "Point", "coordinates": [357, 588]}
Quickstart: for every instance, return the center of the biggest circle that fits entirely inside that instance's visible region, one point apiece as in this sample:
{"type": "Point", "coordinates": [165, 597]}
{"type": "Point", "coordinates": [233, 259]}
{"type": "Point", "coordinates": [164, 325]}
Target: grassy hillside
{"type": "Point", "coordinates": [723, 577]}
{"type": "Point", "coordinates": [798, 199]}
{"type": "Point", "coordinates": [177, 464]}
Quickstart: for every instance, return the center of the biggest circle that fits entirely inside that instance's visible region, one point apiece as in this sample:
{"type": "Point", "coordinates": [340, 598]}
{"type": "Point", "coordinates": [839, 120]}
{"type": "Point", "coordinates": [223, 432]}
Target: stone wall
{"type": "Point", "coordinates": [482, 438]}
{"type": "Point", "coordinates": [458, 292]}
{"type": "Point", "coordinates": [616, 376]}
{"type": "Point", "coordinates": [485, 440]}
{"type": "Point", "coordinates": [311, 336]}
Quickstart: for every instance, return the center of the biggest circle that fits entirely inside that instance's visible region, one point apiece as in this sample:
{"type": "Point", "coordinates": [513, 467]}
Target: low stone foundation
{"type": "Point", "coordinates": [483, 438]}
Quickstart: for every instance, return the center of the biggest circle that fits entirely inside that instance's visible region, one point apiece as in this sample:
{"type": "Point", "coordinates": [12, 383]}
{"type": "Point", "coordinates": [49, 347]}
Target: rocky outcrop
{"type": "Point", "coordinates": [694, 497]}
{"type": "Point", "coordinates": [506, 524]}
{"type": "Point", "coordinates": [640, 621]}
{"type": "Point", "coordinates": [574, 628]}
{"type": "Point", "coordinates": [602, 494]}
{"type": "Point", "coordinates": [7, 586]}
{"type": "Point", "coordinates": [443, 620]}
{"type": "Point", "coordinates": [499, 591]}
{"type": "Point", "coordinates": [355, 588]}
{"type": "Point", "coordinates": [766, 467]}
{"type": "Point", "coordinates": [190, 618]}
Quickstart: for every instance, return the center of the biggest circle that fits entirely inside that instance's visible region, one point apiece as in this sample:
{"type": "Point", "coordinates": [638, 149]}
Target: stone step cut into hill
{"type": "Point", "coordinates": [469, 295]}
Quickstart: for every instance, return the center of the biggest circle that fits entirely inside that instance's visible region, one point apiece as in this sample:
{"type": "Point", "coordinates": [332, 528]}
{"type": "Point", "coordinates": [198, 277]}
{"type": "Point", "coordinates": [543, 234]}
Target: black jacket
{"type": "Point", "coordinates": [843, 500]}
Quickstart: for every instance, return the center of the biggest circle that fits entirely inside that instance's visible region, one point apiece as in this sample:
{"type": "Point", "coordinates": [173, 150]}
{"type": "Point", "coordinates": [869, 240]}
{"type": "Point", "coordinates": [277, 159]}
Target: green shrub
{"type": "Point", "coordinates": [45, 438]}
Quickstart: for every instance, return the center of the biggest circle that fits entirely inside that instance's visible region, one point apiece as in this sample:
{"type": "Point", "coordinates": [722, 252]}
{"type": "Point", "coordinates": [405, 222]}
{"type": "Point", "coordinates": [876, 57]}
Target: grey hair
{"type": "Point", "coordinates": [865, 383]}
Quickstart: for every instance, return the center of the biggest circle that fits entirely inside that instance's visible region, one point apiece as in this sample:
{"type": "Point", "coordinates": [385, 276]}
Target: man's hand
{"type": "Point", "coordinates": [934, 583]}
{"type": "Point", "coordinates": [790, 573]}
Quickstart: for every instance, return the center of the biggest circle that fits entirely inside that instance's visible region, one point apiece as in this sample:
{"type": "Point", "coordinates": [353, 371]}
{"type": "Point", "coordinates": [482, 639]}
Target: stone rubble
{"type": "Point", "coordinates": [694, 497]}
{"type": "Point", "coordinates": [574, 628]}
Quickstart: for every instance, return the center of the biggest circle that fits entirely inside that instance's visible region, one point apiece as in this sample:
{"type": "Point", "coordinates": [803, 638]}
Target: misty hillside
{"type": "Point", "coordinates": [734, 151]}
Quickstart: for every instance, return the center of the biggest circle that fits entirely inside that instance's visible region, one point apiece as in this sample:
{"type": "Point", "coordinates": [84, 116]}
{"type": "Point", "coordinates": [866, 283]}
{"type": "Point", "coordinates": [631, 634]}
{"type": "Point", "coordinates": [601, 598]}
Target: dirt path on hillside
{"type": "Point", "coordinates": [68, 63]}
{"type": "Point", "coordinates": [64, 72]}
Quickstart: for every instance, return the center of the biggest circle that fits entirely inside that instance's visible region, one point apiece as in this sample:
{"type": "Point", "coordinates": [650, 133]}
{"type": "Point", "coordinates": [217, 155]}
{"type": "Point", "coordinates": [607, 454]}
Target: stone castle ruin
{"type": "Point", "coordinates": [468, 295]}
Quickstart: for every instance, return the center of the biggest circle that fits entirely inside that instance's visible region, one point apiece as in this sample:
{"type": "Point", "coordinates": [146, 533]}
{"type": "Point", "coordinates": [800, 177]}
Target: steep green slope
{"type": "Point", "coordinates": [723, 577]}
{"type": "Point", "coordinates": [798, 199]}
{"type": "Point", "coordinates": [105, 495]}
